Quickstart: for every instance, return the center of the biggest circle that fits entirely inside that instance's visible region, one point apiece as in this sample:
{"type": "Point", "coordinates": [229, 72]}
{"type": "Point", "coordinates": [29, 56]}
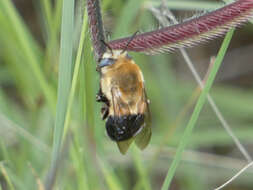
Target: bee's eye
{"type": "Point", "coordinates": [106, 62]}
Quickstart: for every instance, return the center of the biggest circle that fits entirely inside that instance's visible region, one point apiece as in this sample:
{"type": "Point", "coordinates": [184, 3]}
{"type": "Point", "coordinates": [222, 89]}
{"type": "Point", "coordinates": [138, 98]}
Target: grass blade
{"type": "Point", "coordinates": [6, 176]}
{"type": "Point", "coordinates": [47, 10]}
{"type": "Point", "coordinates": [200, 103]}
{"type": "Point", "coordinates": [110, 177]}
{"type": "Point", "coordinates": [76, 72]}
{"type": "Point", "coordinates": [64, 83]}
{"type": "Point", "coordinates": [141, 170]}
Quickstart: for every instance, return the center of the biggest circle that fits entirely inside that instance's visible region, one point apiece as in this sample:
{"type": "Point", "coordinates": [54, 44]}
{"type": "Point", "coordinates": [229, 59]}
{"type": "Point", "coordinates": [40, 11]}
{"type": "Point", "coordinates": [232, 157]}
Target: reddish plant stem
{"type": "Point", "coordinates": [190, 32]}
{"type": "Point", "coordinates": [96, 27]}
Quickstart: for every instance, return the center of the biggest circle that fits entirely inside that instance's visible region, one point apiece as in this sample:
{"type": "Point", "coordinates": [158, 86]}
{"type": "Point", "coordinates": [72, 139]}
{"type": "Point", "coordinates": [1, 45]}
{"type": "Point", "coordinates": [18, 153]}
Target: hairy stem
{"type": "Point", "coordinates": [190, 32]}
{"type": "Point", "coordinates": [96, 27]}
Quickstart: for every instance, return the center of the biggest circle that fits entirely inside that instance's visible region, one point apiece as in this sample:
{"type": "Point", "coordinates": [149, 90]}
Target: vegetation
{"type": "Point", "coordinates": [48, 84]}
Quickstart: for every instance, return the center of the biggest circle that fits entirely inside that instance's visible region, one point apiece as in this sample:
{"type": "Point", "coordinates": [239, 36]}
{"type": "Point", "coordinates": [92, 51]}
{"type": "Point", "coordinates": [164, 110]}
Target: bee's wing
{"type": "Point", "coordinates": [142, 139]}
{"type": "Point", "coordinates": [124, 145]}
{"type": "Point", "coordinates": [120, 107]}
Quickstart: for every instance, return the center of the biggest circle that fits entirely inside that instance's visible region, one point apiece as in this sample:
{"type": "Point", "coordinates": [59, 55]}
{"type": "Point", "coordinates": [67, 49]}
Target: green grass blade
{"type": "Point", "coordinates": [76, 72]}
{"type": "Point", "coordinates": [57, 14]}
{"type": "Point", "coordinates": [142, 172]}
{"type": "Point", "coordinates": [90, 84]}
{"type": "Point", "coordinates": [200, 103]}
{"type": "Point", "coordinates": [77, 155]}
{"type": "Point", "coordinates": [47, 9]}
{"type": "Point", "coordinates": [110, 178]}
{"type": "Point", "coordinates": [64, 83]}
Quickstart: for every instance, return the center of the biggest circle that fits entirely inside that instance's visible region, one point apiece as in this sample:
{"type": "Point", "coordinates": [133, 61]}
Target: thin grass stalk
{"type": "Point", "coordinates": [209, 97]}
{"type": "Point", "coordinates": [178, 120]}
{"type": "Point", "coordinates": [200, 103]}
{"type": "Point", "coordinates": [221, 118]}
{"type": "Point", "coordinates": [64, 84]}
{"type": "Point", "coordinates": [235, 176]}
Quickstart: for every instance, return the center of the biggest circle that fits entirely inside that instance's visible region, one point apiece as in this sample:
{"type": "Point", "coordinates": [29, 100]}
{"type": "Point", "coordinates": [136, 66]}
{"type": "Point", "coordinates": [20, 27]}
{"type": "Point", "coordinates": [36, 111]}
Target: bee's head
{"type": "Point", "coordinates": [109, 58]}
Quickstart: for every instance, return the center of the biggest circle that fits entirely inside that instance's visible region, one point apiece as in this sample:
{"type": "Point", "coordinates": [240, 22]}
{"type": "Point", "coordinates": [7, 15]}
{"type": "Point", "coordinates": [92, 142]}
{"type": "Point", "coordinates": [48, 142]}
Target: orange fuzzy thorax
{"type": "Point", "coordinates": [126, 78]}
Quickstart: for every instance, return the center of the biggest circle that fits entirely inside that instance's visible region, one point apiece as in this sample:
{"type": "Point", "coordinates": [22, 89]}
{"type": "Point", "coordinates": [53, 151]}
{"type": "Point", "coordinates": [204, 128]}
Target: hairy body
{"type": "Point", "coordinates": [125, 105]}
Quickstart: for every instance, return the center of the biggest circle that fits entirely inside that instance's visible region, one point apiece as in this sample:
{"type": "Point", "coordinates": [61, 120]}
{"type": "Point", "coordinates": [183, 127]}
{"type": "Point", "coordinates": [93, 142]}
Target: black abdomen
{"type": "Point", "coordinates": [123, 127]}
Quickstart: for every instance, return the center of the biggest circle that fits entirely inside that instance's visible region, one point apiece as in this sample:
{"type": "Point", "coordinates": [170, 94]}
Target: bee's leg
{"type": "Point", "coordinates": [104, 111]}
{"type": "Point", "coordinates": [100, 97]}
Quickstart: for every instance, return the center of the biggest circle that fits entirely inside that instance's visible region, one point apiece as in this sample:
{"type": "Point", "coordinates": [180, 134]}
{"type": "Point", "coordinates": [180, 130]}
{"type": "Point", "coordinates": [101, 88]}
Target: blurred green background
{"type": "Point", "coordinates": [29, 57]}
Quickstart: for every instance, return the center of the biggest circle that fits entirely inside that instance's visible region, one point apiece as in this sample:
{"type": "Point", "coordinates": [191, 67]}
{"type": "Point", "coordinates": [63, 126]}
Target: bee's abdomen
{"type": "Point", "coordinates": [124, 127]}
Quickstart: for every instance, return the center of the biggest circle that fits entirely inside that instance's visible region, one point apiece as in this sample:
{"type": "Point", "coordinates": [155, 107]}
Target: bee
{"type": "Point", "coordinates": [125, 105]}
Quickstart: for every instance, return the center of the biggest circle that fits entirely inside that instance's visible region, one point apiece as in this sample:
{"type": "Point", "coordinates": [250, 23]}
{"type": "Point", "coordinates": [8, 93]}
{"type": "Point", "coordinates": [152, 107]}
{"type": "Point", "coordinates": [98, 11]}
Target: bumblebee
{"type": "Point", "coordinates": [125, 105]}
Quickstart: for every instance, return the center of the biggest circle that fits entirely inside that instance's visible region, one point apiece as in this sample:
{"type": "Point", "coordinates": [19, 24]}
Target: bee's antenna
{"type": "Point", "coordinates": [129, 41]}
{"type": "Point", "coordinates": [108, 46]}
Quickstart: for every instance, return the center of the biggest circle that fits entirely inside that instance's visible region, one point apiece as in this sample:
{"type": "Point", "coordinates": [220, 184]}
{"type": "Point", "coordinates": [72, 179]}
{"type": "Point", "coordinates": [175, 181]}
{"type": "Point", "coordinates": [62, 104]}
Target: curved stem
{"type": "Point", "coordinates": [96, 27]}
{"type": "Point", "coordinates": [191, 32]}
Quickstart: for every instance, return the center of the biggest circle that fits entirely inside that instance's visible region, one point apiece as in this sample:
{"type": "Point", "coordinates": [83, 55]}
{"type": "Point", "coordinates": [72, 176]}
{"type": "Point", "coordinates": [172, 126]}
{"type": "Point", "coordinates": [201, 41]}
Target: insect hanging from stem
{"type": "Point", "coordinates": [122, 90]}
{"type": "Point", "coordinates": [125, 104]}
